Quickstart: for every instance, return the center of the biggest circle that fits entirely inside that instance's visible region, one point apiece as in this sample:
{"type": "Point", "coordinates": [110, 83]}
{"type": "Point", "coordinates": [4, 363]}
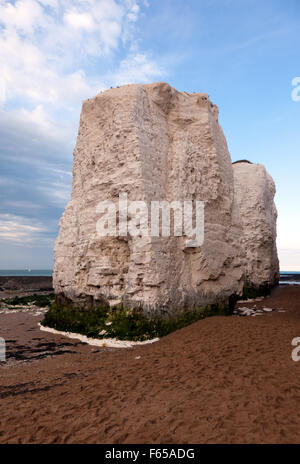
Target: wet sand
{"type": "Point", "coordinates": [220, 380]}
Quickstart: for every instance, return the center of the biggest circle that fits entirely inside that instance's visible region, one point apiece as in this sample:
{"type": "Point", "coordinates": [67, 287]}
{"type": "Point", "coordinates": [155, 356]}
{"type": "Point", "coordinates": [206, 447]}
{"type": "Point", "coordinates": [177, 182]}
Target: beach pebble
{"type": "Point", "coordinates": [244, 311]}
{"type": "Point", "coordinates": [250, 300]}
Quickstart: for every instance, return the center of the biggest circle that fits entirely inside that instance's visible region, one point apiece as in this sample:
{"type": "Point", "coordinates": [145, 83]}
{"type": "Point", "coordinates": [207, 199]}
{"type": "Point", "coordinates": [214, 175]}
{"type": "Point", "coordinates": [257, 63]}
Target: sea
{"type": "Point", "coordinates": [286, 277]}
{"type": "Point", "coordinates": [25, 272]}
{"type": "Point", "coordinates": [289, 278]}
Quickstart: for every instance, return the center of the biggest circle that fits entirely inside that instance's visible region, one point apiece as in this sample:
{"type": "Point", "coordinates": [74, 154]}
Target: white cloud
{"type": "Point", "coordinates": [136, 68]}
{"type": "Point", "coordinates": [24, 16]}
{"type": "Point", "coordinates": [18, 228]}
{"type": "Point", "coordinates": [22, 204]}
{"type": "Point", "coordinates": [58, 193]}
{"type": "Point", "coordinates": [39, 118]}
{"type": "Point", "coordinates": [2, 90]}
{"type": "Point", "coordinates": [54, 54]}
{"type": "Point", "coordinates": [28, 73]}
{"type": "Point", "coordinates": [45, 47]}
{"type": "Point", "coordinates": [30, 129]}
{"type": "Point", "coordinates": [289, 259]}
{"type": "Point", "coordinates": [79, 20]}
{"type": "Point", "coordinates": [288, 226]}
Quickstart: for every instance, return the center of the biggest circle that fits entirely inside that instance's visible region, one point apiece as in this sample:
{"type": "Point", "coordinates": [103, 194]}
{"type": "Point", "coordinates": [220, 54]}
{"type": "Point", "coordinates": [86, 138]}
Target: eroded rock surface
{"type": "Point", "coordinates": [254, 194]}
{"type": "Point", "coordinates": [155, 143]}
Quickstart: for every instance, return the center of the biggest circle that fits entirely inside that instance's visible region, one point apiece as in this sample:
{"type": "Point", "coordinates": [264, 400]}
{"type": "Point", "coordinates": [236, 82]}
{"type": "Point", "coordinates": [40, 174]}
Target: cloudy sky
{"type": "Point", "coordinates": [55, 53]}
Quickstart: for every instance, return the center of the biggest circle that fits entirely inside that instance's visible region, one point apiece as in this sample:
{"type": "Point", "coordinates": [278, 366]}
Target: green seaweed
{"type": "Point", "coordinates": [38, 300]}
{"type": "Point", "coordinates": [124, 324]}
{"type": "Point", "coordinates": [252, 291]}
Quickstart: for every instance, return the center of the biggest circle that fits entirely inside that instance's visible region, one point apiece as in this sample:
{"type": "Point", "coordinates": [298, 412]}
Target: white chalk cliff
{"type": "Point", "coordinates": [254, 195]}
{"type": "Point", "coordinates": [155, 143]}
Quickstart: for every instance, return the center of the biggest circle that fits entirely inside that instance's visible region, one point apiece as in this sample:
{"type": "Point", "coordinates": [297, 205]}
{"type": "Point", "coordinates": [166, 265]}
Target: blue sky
{"type": "Point", "coordinates": [54, 54]}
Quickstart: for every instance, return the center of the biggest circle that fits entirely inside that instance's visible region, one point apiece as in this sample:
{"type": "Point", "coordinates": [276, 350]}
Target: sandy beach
{"type": "Point", "coordinates": [220, 380]}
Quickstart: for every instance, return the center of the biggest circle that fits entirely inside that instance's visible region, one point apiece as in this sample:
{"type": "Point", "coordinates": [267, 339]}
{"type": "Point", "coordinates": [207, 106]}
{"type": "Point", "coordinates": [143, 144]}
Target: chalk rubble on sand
{"type": "Point", "coordinates": [105, 343]}
{"type": "Point", "coordinates": [250, 300]}
{"type": "Point", "coordinates": [244, 311]}
{"type": "Point", "coordinates": [6, 308]}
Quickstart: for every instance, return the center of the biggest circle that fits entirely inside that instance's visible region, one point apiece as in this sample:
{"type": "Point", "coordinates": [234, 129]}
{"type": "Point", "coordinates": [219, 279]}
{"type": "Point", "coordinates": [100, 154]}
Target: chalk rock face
{"type": "Point", "coordinates": [152, 143]}
{"type": "Point", "coordinates": [254, 195]}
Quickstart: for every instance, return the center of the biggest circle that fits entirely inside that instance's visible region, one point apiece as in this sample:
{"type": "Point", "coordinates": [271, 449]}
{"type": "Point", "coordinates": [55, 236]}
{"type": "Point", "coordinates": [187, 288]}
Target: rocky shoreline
{"type": "Point", "coordinates": [11, 286]}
